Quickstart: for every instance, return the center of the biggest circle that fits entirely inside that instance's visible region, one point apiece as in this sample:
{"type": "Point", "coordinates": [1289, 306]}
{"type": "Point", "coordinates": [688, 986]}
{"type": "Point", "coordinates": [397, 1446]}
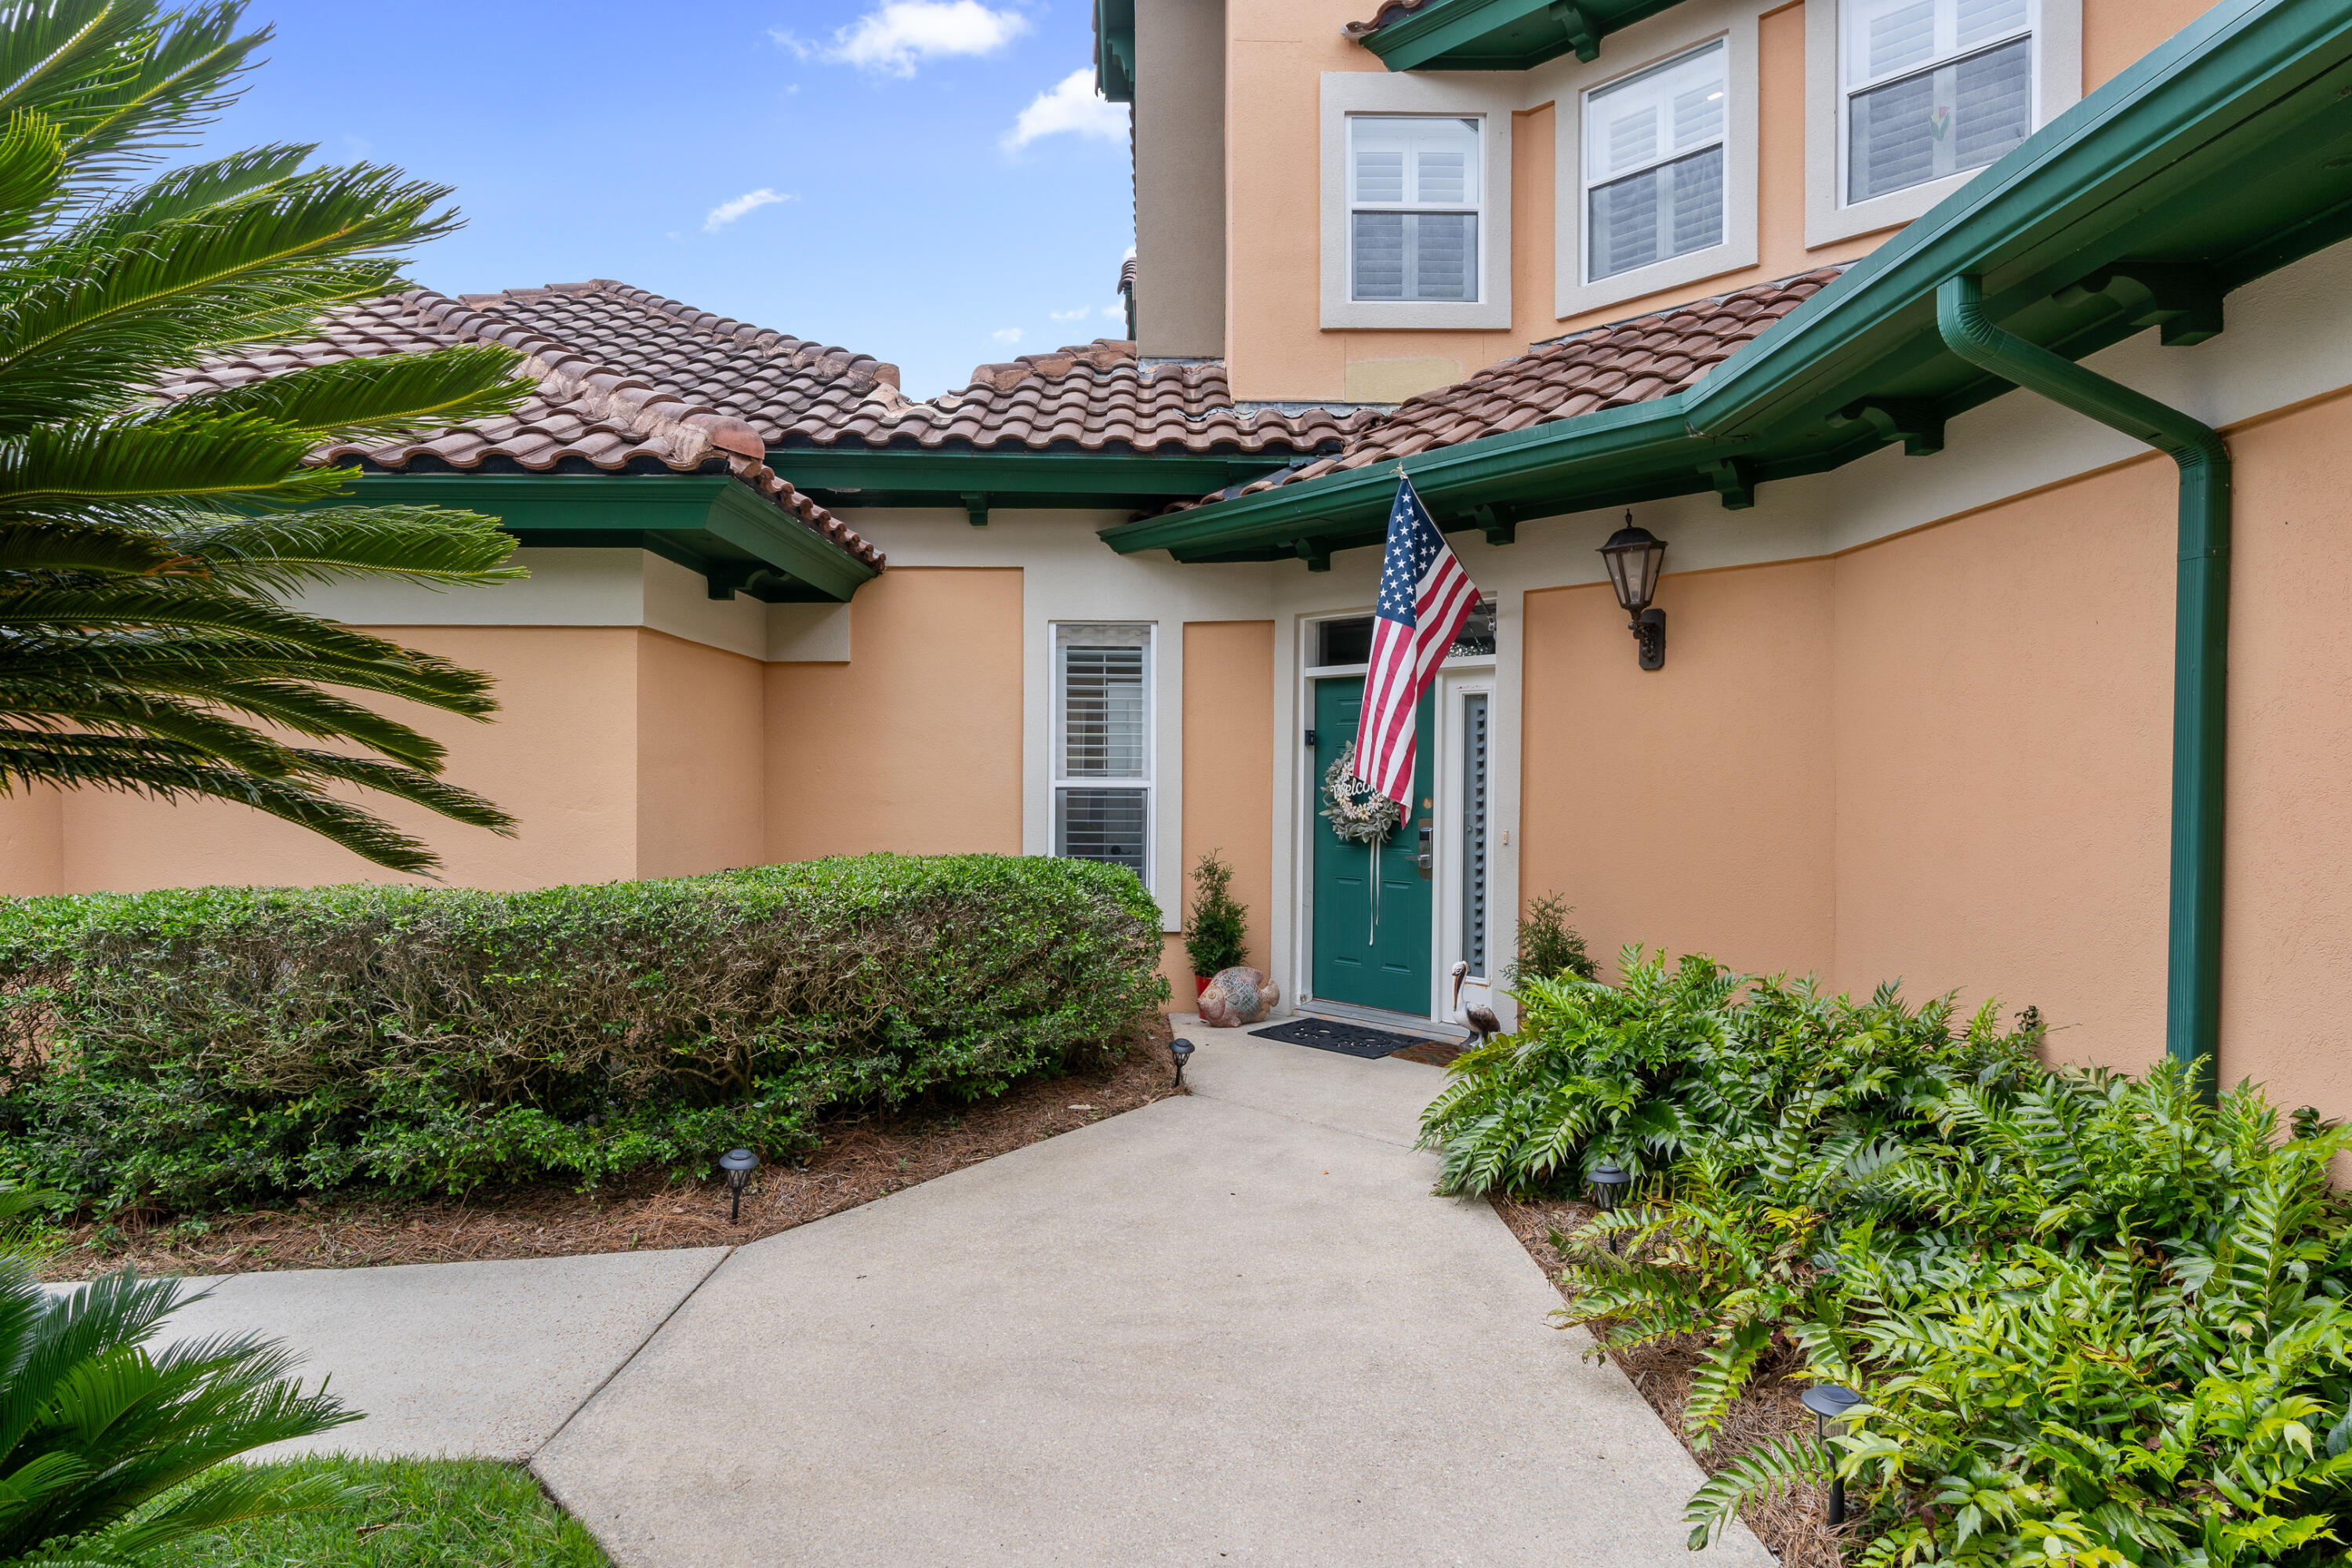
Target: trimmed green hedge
{"type": "Point", "coordinates": [189, 1047]}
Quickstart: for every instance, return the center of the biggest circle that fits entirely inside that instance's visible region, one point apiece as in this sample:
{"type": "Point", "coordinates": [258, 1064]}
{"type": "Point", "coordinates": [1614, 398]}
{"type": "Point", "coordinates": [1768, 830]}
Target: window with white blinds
{"type": "Point", "coordinates": [1413, 207]}
{"type": "Point", "coordinates": [1102, 745]}
{"type": "Point", "coordinates": [1933, 88]}
{"type": "Point", "coordinates": [1653, 164]}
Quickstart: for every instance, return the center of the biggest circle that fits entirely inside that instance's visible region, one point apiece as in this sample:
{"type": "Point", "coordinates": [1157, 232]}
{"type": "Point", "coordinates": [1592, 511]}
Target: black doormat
{"type": "Point", "coordinates": [1347, 1040]}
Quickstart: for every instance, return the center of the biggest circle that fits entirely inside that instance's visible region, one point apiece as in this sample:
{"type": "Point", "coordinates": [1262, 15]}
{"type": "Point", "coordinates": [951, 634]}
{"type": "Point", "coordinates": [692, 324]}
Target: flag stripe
{"type": "Point", "coordinates": [1426, 595]}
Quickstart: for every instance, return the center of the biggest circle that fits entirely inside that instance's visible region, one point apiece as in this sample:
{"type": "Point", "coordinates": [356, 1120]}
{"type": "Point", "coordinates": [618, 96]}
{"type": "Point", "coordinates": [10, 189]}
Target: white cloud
{"type": "Point", "coordinates": [1079, 315]}
{"type": "Point", "coordinates": [726, 212]}
{"type": "Point", "coordinates": [801, 48]}
{"type": "Point", "coordinates": [1116, 310]}
{"type": "Point", "coordinates": [1070, 107]}
{"type": "Point", "coordinates": [1008, 336]}
{"type": "Point", "coordinates": [898, 33]}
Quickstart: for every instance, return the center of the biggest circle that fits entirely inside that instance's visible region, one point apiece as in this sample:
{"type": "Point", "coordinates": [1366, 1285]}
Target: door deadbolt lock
{"type": "Point", "coordinates": [1427, 831]}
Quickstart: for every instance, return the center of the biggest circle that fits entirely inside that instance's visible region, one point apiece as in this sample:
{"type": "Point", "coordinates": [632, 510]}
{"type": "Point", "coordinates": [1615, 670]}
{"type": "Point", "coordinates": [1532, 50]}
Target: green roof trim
{"type": "Point", "coordinates": [846, 478]}
{"type": "Point", "coordinates": [710, 523]}
{"type": "Point", "coordinates": [1502, 35]}
{"type": "Point", "coordinates": [1115, 49]}
{"type": "Point", "coordinates": [2224, 154]}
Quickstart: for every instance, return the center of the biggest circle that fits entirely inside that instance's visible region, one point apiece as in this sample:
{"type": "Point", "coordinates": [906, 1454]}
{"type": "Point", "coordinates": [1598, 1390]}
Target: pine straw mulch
{"type": "Point", "coordinates": [863, 1157]}
{"type": "Point", "coordinates": [1794, 1526]}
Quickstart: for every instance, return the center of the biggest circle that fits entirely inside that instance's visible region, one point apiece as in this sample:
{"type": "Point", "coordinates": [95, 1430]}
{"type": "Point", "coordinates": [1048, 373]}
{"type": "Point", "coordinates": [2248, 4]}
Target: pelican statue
{"type": "Point", "coordinates": [1484, 1024]}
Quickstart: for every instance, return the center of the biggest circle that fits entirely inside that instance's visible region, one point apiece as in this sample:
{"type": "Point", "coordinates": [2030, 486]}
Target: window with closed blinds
{"type": "Point", "coordinates": [1653, 164]}
{"type": "Point", "coordinates": [1413, 208]}
{"type": "Point", "coordinates": [1933, 88]}
{"type": "Point", "coordinates": [1102, 745]}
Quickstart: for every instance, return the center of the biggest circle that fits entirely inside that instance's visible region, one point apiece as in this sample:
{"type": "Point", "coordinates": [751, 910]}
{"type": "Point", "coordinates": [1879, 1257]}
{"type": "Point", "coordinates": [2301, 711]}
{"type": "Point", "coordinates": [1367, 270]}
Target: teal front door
{"type": "Point", "coordinates": [1371, 955]}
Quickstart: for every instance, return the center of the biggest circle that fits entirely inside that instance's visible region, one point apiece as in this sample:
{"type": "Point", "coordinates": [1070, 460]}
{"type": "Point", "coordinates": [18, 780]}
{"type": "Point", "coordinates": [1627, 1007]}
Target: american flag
{"type": "Point", "coordinates": [1424, 598]}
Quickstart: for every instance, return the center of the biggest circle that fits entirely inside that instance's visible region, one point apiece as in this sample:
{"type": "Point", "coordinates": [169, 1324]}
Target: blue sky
{"type": "Point", "coordinates": [916, 179]}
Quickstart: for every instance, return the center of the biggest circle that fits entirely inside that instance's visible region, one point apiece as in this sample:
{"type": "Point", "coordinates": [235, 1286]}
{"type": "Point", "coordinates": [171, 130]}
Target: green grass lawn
{"type": "Point", "coordinates": [426, 1513]}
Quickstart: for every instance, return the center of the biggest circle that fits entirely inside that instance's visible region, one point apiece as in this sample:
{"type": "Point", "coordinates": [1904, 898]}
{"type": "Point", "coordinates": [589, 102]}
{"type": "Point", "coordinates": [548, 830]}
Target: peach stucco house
{"type": "Point", "coordinates": [1838, 298]}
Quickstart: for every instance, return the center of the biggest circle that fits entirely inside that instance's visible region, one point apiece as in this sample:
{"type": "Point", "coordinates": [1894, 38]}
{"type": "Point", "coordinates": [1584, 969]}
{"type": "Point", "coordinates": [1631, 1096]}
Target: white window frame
{"type": "Point", "coordinates": [1660, 41]}
{"type": "Point", "coordinates": [1347, 95]}
{"type": "Point", "coordinates": [1145, 635]}
{"type": "Point", "coordinates": [2057, 34]}
{"type": "Point", "coordinates": [1586, 184]}
{"type": "Point", "coordinates": [1475, 208]}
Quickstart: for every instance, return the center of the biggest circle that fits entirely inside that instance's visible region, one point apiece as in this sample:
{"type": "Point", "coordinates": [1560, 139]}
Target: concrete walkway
{"type": "Point", "coordinates": [1230, 1328]}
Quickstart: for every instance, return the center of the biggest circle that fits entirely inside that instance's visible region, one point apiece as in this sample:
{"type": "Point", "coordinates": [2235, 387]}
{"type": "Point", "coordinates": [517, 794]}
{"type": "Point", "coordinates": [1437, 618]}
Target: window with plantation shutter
{"type": "Point", "coordinates": [1653, 149]}
{"type": "Point", "coordinates": [1102, 745]}
{"type": "Point", "coordinates": [1413, 207]}
{"type": "Point", "coordinates": [1933, 88]}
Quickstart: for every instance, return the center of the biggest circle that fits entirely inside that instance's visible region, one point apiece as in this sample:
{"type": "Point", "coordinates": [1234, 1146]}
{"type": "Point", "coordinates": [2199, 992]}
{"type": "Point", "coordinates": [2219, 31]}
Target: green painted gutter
{"type": "Point", "coordinates": [1502, 35]}
{"type": "Point", "coordinates": [2201, 643]}
{"type": "Point", "coordinates": [710, 524]}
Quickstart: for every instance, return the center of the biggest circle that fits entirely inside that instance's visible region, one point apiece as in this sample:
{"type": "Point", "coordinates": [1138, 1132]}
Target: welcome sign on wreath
{"type": "Point", "coordinates": [1358, 814]}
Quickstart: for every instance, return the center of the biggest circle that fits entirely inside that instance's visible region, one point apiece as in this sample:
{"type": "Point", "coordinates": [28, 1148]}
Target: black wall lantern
{"type": "Point", "coordinates": [1633, 556]}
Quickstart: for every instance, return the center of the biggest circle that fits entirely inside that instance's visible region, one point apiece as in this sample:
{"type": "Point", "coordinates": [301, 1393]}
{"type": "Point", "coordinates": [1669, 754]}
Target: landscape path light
{"type": "Point", "coordinates": [1608, 1181]}
{"type": "Point", "coordinates": [1829, 1402]}
{"type": "Point", "coordinates": [1182, 1050]}
{"type": "Point", "coordinates": [1633, 556]}
{"type": "Point", "coordinates": [739, 1164]}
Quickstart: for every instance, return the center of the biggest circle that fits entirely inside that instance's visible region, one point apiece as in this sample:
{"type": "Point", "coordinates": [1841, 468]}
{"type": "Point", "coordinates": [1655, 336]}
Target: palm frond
{"type": "Point", "coordinates": [96, 322]}
{"type": "Point", "coordinates": [151, 473]}
{"type": "Point", "coordinates": [188, 191]}
{"type": "Point", "coordinates": [378, 398]}
{"type": "Point", "coordinates": [126, 80]}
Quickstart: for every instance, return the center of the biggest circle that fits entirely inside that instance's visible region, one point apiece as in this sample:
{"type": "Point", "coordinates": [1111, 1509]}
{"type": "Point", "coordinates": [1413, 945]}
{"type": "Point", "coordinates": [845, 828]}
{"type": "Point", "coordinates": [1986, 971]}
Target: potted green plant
{"type": "Point", "coordinates": [1217, 926]}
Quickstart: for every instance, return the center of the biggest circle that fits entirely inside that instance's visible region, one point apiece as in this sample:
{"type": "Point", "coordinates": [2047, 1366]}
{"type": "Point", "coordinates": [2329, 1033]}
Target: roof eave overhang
{"type": "Point", "coordinates": [710, 523]}
{"type": "Point", "coordinates": [1115, 49]}
{"type": "Point", "coordinates": [842, 477]}
{"type": "Point", "coordinates": [2210, 156]}
{"type": "Point", "coordinates": [1502, 35]}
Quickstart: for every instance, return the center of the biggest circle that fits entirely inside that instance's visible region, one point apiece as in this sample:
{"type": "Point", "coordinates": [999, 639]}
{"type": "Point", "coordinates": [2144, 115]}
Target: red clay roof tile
{"type": "Point", "coordinates": [1632, 362]}
{"type": "Point", "coordinates": [583, 410]}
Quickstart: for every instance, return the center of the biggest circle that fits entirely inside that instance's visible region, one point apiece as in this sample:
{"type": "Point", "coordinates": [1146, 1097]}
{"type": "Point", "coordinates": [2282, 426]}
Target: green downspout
{"type": "Point", "coordinates": [2201, 642]}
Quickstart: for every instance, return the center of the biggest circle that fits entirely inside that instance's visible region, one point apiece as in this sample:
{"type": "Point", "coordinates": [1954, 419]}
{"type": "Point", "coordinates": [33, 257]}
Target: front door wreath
{"type": "Point", "coordinates": [1359, 814]}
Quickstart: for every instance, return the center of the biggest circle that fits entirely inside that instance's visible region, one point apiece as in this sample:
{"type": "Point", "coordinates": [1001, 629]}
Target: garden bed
{"type": "Point", "coordinates": [862, 1157]}
{"type": "Point", "coordinates": [1794, 1525]}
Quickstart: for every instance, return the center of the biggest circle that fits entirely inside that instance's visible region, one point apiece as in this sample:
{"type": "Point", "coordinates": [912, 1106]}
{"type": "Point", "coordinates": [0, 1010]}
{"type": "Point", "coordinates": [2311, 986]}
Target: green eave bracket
{"type": "Point", "coordinates": [1115, 49]}
{"type": "Point", "coordinates": [982, 483]}
{"type": "Point", "coordinates": [1502, 35]}
{"type": "Point", "coordinates": [708, 523]}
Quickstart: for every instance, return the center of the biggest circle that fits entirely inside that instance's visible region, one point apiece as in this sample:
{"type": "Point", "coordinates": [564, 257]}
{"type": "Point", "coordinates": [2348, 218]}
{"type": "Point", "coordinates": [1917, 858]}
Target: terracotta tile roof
{"type": "Point", "coordinates": [1088, 397]}
{"type": "Point", "coordinates": [1395, 11]}
{"type": "Point", "coordinates": [789, 391]}
{"type": "Point", "coordinates": [587, 411]}
{"type": "Point", "coordinates": [1606, 367]}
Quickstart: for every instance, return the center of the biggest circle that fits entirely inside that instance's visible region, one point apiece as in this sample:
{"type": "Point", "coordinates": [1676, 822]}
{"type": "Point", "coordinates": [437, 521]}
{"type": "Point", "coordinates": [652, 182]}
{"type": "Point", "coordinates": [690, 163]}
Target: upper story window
{"type": "Point", "coordinates": [1933, 88]}
{"type": "Point", "coordinates": [1413, 207]}
{"type": "Point", "coordinates": [1653, 164]}
{"type": "Point", "coordinates": [1102, 745]}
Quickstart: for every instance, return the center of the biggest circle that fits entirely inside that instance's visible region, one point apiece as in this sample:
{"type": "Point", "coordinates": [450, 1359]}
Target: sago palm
{"type": "Point", "coordinates": [147, 546]}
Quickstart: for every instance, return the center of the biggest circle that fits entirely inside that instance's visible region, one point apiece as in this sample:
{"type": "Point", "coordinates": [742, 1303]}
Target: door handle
{"type": "Point", "coordinates": [1427, 832]}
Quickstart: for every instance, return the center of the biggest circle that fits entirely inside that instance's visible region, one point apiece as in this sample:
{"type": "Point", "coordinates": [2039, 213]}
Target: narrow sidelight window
{"type": "Point", "coordinates": [1473, 831]}
{"type": "Point", "coordinates": [1413, 208]}
{"type": "Point", "coordinates": [1653, 164]}
{"type": "Point", "coordinates": [1102, 745]}
{"type": "Point", "coordinates": [1933, 88]}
